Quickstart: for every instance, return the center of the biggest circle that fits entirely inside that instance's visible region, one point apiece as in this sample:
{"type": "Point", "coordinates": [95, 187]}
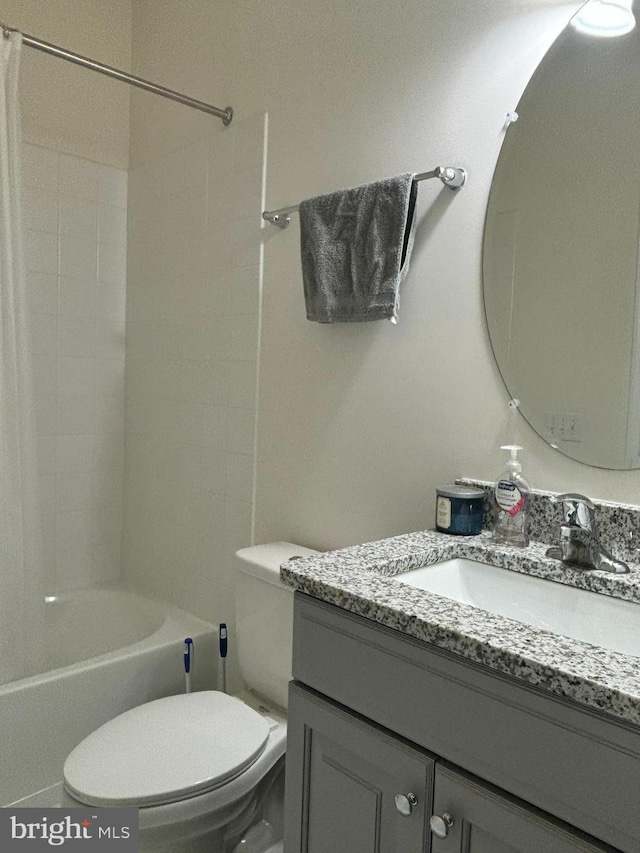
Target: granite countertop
{"type": "Point", "coordinates": [360, 579]}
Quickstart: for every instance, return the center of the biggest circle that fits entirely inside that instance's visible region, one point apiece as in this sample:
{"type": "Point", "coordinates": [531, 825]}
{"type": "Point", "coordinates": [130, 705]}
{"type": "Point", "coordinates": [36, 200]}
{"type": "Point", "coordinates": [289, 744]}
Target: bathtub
{"type": "Point", "coordinates": [105, 651]}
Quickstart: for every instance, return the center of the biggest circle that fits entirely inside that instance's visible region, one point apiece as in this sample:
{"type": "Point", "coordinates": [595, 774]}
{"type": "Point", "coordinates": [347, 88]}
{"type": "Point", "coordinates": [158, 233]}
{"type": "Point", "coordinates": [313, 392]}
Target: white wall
{"type": "Point", "coordinates": [358, 424]}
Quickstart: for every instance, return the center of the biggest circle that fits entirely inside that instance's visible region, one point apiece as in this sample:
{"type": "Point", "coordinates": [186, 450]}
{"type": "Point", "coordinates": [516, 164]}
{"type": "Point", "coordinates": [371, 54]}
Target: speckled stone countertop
{"type": "Point", "coordinates": [360, 579]}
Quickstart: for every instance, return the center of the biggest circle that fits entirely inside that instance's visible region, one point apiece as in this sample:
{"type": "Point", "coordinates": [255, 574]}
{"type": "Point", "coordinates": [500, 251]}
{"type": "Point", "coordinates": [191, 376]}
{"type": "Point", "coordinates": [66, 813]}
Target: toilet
{"type": "Point", "coordinates": [206, 769]}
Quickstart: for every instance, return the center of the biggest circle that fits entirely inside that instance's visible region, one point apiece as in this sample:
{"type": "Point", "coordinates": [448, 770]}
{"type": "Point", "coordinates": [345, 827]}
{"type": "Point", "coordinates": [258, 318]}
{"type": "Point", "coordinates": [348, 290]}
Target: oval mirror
{"type": "Point", "coordinates": [560, 253]}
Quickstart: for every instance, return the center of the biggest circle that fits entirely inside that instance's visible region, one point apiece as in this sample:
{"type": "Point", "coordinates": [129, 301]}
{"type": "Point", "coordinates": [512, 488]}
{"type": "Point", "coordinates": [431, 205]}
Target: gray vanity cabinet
{"type": "Point", "coordinates": [353, 787]}
{"type": "Point", "coordinates": [501, 767]}
{"type": "Point", "coordinates": [343, 777]}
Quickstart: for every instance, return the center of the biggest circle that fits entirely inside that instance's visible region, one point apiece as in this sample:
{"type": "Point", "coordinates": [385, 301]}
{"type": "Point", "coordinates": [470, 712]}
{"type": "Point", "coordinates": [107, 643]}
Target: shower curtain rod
{"type": "Point", "coordinates": [451, 176]}
{"type": "Point", "coordinates": [225, 114]}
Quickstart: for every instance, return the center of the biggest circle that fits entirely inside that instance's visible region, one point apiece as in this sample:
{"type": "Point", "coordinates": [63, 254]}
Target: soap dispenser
{"type": "Point", "coordinates": [511, 502]}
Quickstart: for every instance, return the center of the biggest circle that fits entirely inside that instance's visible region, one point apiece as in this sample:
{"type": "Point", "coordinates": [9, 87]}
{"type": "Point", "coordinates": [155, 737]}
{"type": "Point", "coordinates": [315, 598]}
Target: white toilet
{"type": "Point", "coordinates": [206, 769]}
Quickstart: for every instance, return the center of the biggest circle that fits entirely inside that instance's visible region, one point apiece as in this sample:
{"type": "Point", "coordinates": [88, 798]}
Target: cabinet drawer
{"type": "Point", "coordinates": [570, 761]}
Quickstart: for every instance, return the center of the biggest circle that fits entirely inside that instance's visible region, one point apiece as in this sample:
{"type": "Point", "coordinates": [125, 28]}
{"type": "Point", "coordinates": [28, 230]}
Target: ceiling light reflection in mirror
{"type": "Point", "coordinates": [605, 18]}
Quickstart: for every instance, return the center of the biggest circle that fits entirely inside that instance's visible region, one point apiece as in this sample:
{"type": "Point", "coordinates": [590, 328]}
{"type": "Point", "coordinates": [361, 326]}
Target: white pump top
{"type": "Point", "coordinates": [513, 464]}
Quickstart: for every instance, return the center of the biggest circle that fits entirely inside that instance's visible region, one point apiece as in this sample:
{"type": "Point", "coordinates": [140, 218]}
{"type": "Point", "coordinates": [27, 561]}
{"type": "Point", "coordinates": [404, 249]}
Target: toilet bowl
{"type": "Point", "coordinates": [205, 768]}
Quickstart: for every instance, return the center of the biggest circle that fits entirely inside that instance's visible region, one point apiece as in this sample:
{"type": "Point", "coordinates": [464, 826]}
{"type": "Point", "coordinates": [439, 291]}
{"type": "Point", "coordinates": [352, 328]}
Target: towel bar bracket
{"type": "Point", "coordinates": [451, 176]}
{"type": "Point", "coordinates": [279, 219]}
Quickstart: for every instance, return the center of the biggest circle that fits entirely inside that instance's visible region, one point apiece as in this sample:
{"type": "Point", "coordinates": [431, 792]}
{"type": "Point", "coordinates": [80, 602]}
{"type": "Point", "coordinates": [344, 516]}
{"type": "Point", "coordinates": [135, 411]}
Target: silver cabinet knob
{"type": "Point", "coordinates": [405, 803]}
{"type": "Point", "coordinates": [440, 826]}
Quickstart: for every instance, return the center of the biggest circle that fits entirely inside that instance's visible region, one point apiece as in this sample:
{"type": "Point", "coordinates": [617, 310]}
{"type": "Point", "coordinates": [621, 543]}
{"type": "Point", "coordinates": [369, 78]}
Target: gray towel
{"type": "Point", "coordinates": [355, 247]}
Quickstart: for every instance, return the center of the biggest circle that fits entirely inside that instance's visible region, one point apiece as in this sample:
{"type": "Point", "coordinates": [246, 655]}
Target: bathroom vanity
{"type": "Point", "coordinates": [418, 723]}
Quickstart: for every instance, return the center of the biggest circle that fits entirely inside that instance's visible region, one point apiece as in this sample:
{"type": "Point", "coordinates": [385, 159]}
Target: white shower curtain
{"type": "Point", "coordinates": [21, 577]}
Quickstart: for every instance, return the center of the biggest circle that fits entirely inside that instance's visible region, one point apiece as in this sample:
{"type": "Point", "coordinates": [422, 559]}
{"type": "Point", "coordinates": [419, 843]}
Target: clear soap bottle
{"type": "Point", "coordinates": [511, 503]}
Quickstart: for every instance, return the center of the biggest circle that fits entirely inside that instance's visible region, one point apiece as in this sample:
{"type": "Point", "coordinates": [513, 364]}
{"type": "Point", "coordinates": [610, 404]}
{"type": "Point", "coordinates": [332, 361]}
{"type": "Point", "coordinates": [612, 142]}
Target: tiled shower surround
{"type": "Point", "coordinates": [75, 246]}
{"type": "Point", "coordinates": [193, 303]}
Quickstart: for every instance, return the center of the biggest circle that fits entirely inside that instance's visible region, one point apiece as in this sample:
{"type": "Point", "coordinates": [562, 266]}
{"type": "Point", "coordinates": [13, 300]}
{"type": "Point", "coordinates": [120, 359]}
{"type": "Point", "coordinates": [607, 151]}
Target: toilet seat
{"type": "Point", "coordinates": [166, 751]}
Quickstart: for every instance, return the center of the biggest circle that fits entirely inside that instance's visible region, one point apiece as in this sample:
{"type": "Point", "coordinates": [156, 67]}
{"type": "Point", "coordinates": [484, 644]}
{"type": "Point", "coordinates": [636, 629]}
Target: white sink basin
{"type": "Point", "coordinates": [588, 616]}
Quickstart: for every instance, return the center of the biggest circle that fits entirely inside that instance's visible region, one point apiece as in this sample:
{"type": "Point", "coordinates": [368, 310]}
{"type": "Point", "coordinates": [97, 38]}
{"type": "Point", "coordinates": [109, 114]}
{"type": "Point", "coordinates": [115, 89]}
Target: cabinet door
{"type": "Point", "coordinates": [342, 778]}
{"type": "Point", "coordinates": [487, 821]}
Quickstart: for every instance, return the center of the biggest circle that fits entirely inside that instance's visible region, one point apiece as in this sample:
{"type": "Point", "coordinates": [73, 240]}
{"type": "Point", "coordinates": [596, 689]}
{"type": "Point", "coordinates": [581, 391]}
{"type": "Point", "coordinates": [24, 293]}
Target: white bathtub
{"type": "Point", "coordinates": [106, 650]}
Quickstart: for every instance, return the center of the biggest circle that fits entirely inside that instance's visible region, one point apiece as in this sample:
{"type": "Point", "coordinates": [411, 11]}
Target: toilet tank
{"type": "Point", "coordinates": [264, 618]}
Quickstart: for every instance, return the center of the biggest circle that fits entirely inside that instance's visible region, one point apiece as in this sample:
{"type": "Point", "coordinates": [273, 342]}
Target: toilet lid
{"type": "Point", "coordinates": [166, 750]}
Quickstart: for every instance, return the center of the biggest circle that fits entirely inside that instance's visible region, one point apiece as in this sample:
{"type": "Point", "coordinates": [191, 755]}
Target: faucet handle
{"type": "Point", "coordinates": [578, 510]}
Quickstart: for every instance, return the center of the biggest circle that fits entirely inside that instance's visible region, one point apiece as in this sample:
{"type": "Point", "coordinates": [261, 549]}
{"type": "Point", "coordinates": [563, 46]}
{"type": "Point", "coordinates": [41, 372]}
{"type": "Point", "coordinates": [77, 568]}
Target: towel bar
{"type": "Point", "coordinates": [451, 176]}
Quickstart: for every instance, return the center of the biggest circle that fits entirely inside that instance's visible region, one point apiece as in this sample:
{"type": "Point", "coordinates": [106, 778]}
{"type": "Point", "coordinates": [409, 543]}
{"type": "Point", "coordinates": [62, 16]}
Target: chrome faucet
{"type": "Point", "coordinates": [579, 542]}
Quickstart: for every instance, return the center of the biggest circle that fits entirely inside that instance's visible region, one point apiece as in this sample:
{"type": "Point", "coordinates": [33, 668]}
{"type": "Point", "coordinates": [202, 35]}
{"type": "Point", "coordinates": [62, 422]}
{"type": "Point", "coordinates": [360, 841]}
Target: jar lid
{"type": "Point", "coordinates": [464, 492]}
